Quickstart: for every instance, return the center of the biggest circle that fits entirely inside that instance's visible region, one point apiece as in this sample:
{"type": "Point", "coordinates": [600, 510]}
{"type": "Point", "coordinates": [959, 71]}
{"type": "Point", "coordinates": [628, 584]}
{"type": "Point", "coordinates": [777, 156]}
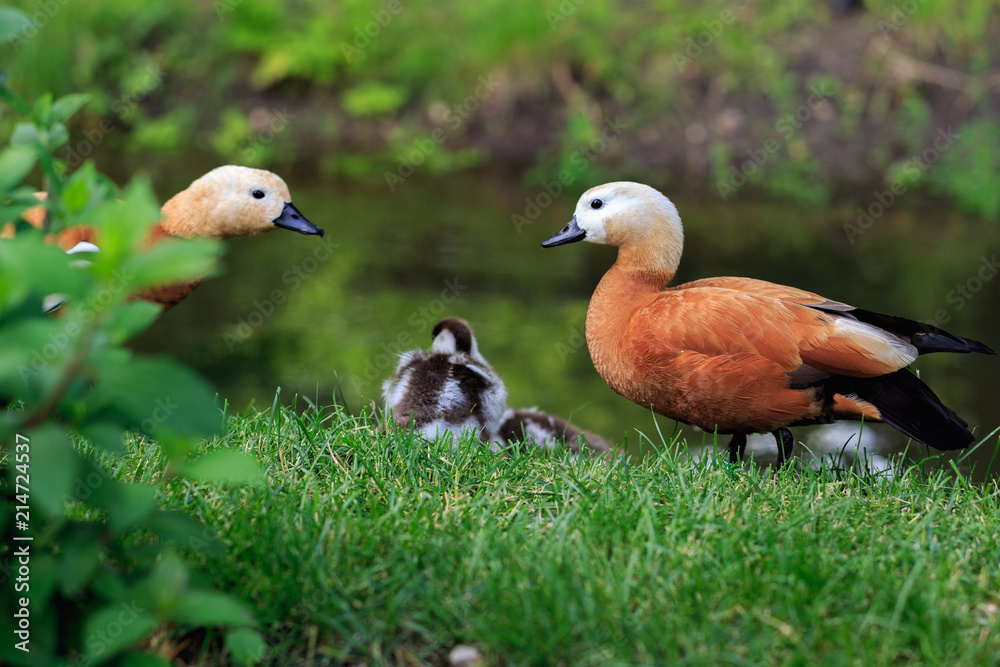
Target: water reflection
{"type": "Point", "coordinates": [309, 314]}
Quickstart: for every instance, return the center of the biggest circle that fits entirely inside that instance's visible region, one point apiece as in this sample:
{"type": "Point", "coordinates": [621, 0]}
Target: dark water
{"type": "Point", "coordinates": [305, 314]}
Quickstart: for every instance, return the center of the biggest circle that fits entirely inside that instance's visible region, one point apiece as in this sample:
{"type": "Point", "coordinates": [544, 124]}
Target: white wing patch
{"type": "Point", "coordinates": [886, 345]}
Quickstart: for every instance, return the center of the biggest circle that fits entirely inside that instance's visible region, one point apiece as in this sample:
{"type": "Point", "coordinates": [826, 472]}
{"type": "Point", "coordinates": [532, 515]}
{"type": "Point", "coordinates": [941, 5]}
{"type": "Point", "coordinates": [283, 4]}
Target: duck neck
{"type": "Point", "coordinates": [646, 266]}
{"type": "Point", "coordinates": [632, 281]}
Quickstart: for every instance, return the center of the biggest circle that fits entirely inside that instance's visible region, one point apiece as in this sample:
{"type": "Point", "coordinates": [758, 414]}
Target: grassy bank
{"type": "Point", "coordinates": [362, 546]}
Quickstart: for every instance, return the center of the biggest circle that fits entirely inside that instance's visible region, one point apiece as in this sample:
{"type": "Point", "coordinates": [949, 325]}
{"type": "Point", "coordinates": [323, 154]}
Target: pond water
{"type": "Point", "coordinates": [308, 314]}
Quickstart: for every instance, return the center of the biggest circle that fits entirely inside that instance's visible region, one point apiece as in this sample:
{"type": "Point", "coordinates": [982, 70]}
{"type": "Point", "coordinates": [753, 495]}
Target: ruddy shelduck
{"type": "Point", "coordinates": [448, 389]}
{"type": "Point", "coordinates": [530, 426]}
{"type": "Point", "coordinates": [739, 355]}
{"type": "Point", "coordinates": [226, 202]}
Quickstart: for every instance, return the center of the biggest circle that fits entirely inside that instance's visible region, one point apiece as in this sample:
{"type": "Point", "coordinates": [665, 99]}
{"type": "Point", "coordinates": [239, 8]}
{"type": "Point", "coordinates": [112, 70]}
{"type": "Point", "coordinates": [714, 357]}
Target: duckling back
{"type": "Point", "coordinates": [450, 388]}
{"type": "Point", "coordinates": [533, 427]}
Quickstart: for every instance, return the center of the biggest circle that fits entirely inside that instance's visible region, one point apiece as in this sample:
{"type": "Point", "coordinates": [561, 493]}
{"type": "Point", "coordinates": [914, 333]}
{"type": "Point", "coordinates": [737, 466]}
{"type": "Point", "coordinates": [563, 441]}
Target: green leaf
{"type": "Point", "coordinates": [16, 202]}
{"type": "Point", "coordinates": [225, 465]}
{"type": "Point", "coordinates": [15, 163]}
{"type": "Point", "coordinates": [208, 608]}
{"type": "Point", "coordinates": [44, 579]}
{"type": "Point", "coordinates": [114, 628]}
{"type": "Point", "coordinates": [68, 105]}
{"type": "Point", "coordinates": [25, 134]}
{"type": "Point", "coordinates": [57, 136]}
{"type": "Point", "coordinates": [130, 319]}
{"type": "Point", "coordinates": [29, 265]}
{"type": "Point", "coordinates": [154, 394]}
{"type": "Point", "coordinates": [246, 646]}
{"type": "Point", "coordinates": [184, 531]}
{"type": "Point", "coordinates": [173, 261]}
{"type": "Point", "coordinates": [75, 195]}
{"type": "Point", "coordinates": [12, 22]}
{"type": "Point", "coordinates": [105, 434]}
{"type": "Point", "coordinates": [79, 559]}
{"type": "Point", "coordinates": [123, 225]}
{"type": "Point", "coordinates": [136, 502]}
{"type": "Point", "coordinates": [54, 463]}
{"type": "Point", "coordinates": [43, 111]}
{"type": "Point", "coordinates": [168, 581]}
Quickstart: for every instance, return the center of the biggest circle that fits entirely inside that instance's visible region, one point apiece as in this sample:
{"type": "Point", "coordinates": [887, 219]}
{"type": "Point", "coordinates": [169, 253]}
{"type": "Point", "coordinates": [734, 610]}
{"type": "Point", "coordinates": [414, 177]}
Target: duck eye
{"type": "Point", "coordinates": [596, 203]}
{"type": "Point", "coordinates": [258, 194]}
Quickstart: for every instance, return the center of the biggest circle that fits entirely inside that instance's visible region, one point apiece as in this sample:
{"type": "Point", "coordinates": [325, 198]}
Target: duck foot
{"type": "Point", "coordinates": [786, 442]}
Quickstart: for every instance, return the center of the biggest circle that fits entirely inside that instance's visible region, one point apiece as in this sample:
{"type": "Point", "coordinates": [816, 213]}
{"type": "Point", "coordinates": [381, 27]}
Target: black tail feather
{"type": "Point", "coordinates": [909, 406]}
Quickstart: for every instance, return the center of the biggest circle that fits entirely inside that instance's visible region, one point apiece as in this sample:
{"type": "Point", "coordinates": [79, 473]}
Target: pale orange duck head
{"type": "Point", "coordinates": [739, 355]}
{"type": "Point", "coordinates": [233, 201]}
{"type": "Point", "coordinates": [226, 202]}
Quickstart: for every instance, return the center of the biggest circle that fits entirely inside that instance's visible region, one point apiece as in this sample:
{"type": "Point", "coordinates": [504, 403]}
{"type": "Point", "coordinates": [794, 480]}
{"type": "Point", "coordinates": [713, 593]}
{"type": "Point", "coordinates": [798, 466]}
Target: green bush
{"type": "Point", "coordinates": [91, 564]}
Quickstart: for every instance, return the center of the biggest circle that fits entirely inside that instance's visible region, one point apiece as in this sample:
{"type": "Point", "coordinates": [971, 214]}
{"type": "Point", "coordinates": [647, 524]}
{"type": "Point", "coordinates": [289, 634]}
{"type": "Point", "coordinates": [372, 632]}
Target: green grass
{"type": "Point", "coordinates": [372, 547]}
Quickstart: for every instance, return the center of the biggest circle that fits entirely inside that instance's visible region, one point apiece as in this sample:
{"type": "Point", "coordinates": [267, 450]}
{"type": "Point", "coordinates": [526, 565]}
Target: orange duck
{"type": "Point", "coordinates": [738, 355]}
{"type": "Point", "coordinates": [226, 202]}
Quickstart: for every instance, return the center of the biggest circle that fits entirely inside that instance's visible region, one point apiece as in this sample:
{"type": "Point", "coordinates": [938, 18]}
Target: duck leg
{"type": "Point", "coordinates": [786, 442]}
{"type": "Point", "coordinates": [737, 446]}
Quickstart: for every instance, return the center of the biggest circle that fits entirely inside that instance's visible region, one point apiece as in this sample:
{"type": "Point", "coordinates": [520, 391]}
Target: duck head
{"type": "Point", "coordinates": [636, 218]}
{"type": "Point", "coordinates": [234, 201]}
{"type": "Point", "coordinates": [453, 335]}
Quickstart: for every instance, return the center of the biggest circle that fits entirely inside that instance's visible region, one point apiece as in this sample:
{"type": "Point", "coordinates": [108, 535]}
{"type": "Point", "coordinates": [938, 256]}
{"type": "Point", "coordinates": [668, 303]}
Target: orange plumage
{"type": "Point", "coordinates": [737, 355]}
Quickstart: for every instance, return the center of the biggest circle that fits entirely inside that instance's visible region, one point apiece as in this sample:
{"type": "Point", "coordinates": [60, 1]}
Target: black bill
{"type": "Point", "coordinates": [290, 218]}
{"type": "Point", "coordinates": [571, 233]}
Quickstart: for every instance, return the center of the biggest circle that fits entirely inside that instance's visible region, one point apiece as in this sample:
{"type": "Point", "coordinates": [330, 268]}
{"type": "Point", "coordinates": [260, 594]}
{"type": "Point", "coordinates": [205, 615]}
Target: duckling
{"type": "Point", "coordinates": [738, 355]}
{"type": "Point", "coordinates": [533, 427]}
{"type": "Point", "coordinates": [226, 202]}
{"type": "Point", "coordinates": [450, 388]}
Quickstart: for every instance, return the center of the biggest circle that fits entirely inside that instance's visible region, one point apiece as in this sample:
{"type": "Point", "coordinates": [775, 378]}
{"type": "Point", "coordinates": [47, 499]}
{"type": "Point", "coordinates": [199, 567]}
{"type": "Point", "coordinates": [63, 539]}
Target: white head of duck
{"type": "Point", "coordinates": [636, 218]}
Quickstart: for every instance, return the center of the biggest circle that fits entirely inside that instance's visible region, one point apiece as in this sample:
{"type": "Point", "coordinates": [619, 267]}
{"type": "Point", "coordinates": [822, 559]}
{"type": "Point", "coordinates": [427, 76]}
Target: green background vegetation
{"type": "Point", "coordinates": [363, 81]}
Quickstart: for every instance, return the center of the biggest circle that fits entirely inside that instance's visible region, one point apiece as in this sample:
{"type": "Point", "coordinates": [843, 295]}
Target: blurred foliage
{"type": "Point", "coordinates": [96, 563]}
{"type": "Point", "coordinates": [528, 85]}
{"type": "Point", "coordinates": [971, 169]}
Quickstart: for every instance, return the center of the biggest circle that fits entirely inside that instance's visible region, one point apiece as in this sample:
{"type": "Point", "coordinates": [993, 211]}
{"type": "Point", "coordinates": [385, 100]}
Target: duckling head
{"type": "Point", "coordinates": [453, 335]}
{"type": "Point", "coordinates": [234, 201]}
{"type": "Point", "coordinates": [634, 217]}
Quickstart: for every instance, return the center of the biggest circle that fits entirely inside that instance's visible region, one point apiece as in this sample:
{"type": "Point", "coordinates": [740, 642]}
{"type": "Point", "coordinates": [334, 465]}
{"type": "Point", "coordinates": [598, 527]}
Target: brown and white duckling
{"type": "Point", "coordinates": [448, 389]}
{"type": "Point", "coordinates": [226, 202]}
{"type": "Point", "coordinates": [530, 426]}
